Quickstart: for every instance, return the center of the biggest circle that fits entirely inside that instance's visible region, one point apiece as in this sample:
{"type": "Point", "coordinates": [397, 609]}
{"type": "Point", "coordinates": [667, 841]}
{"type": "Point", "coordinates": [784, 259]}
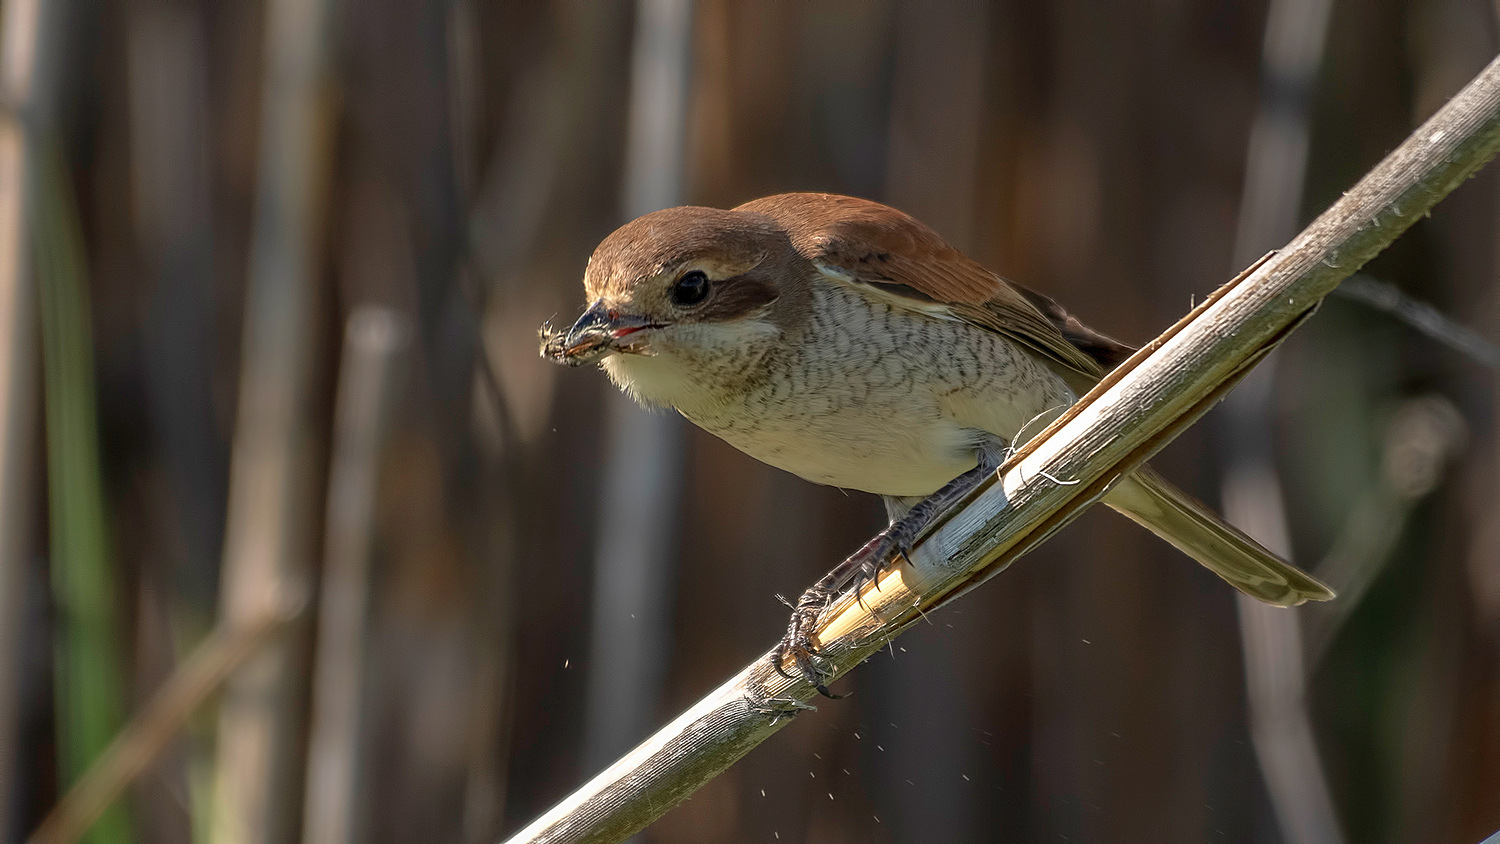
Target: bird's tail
{"type": "Point", "coordinates": [1152, 502]}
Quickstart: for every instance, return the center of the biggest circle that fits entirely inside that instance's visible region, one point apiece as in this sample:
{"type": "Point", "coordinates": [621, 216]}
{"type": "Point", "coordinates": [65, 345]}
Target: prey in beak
{"type": "Point", "coordinates": [597, 333]}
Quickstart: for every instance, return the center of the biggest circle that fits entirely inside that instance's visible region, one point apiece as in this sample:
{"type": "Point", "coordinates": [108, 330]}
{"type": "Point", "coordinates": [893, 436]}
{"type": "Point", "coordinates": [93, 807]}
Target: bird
{"type": "Point", "coordinates": [848, 343]}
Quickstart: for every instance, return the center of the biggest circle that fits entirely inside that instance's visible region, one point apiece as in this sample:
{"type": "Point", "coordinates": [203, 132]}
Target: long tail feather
{"type": "Point", "coordinates": [1152, 502]}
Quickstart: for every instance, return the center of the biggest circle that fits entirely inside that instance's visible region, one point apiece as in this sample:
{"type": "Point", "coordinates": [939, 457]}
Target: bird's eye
{"type": "Point", "coordinates": [690, 289]}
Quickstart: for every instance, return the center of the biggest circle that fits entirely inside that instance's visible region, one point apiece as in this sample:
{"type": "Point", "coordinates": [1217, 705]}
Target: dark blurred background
{"type": "Point", "coordinates": [271, 275]}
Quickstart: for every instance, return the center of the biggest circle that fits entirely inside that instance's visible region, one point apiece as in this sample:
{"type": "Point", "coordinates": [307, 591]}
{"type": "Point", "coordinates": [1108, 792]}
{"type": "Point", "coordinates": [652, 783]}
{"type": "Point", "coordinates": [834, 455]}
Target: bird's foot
{"type": "Point", "coordinates": [797, 644]}
{"type": "Point", "coordinates": [865, 566]}
{"type": "Point", "coordinates": [861, 567]}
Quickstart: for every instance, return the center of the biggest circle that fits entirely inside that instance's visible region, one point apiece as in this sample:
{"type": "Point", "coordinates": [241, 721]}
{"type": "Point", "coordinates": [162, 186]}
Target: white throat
{"type": "Point", "coordinates": [694, 366]}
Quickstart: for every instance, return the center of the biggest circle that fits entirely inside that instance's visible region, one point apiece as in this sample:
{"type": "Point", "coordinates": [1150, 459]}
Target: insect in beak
{"type": "Point", "coordinates": [599, 331]}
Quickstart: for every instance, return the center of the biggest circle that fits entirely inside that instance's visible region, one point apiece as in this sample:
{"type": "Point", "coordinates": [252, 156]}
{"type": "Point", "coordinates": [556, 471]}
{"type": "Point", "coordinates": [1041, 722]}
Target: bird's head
{"type": "Point", "coordinates": [681, 302]}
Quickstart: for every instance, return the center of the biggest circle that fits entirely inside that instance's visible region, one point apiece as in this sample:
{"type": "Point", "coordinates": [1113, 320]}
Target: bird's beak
{"type": "Point", "coordinates": [598, 332]}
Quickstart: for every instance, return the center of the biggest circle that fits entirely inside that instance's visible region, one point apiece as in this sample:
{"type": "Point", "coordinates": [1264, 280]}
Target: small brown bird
{"type": "Point", "coordinates": [847, 343]}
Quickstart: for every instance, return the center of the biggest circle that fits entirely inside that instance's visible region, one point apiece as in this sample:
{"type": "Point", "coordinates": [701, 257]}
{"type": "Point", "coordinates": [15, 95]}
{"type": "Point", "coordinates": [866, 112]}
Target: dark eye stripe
{"type": "Point", "coordinates": [737, 297]}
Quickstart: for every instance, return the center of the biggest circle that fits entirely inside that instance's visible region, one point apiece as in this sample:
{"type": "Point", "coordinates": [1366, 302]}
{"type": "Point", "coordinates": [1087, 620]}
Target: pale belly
{"type": "Point", "coordinates": [897, 452]}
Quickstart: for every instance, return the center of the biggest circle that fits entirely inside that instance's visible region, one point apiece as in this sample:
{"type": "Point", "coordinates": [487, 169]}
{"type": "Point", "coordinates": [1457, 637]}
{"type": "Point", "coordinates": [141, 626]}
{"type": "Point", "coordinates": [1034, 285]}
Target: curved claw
{"type": "Point", "coordinates": [797, 643]}
{"type": "Point", "coordinates": [803, 656]}
{"type": "Point", "coordinates": [874, 559]}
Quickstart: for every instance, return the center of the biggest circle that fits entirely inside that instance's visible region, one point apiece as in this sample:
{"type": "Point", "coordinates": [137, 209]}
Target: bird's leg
{"type": "Point", "coordinates": [866, 564]}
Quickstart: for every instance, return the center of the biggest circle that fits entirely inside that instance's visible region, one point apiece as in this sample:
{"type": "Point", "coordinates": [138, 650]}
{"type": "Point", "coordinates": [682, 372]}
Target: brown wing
{"type": "Point", "coordinates": [1106, 350]}
{"type": "Point", "coordinates": [907, 264]}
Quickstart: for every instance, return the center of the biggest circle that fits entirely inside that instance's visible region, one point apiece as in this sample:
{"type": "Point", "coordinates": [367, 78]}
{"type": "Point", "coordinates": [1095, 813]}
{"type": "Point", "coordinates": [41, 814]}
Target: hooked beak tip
{"type": "Point", "coordinates": [594, 335]}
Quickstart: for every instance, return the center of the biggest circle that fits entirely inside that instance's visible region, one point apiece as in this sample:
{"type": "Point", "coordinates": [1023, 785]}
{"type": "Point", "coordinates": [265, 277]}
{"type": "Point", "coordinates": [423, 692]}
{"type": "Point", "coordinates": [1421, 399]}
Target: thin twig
{"type": "Point", "coordinates": [143, 739]}
{"type": "Point", "coordinates": [1384, 296]}
{"type": "Point", "coordinates": [1137, 409]}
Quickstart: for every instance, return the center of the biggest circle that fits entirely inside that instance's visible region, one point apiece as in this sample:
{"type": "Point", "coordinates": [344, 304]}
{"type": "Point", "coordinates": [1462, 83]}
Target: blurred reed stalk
{"type": "Point", "coordinates": [1138, 408]}
{"type": "Point", "coordinates": [373, 339]}
{"type": "Point", "coordinates": [484, 783]}
{"type": "Point", "coordinates": [173, 222]}
{"type": "Point", "coordinates": [641, 493]}
{"type": "Point", "coordinates": [272, 511]}
{"type": "Point", "coordinates": [22, 31]}
{"type": "Point", "coordinates": [88, 673]}
{"type": "Point", "coordinates": [142, 740]}
{"type": "Point", "coordinates": [1270, 206]}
